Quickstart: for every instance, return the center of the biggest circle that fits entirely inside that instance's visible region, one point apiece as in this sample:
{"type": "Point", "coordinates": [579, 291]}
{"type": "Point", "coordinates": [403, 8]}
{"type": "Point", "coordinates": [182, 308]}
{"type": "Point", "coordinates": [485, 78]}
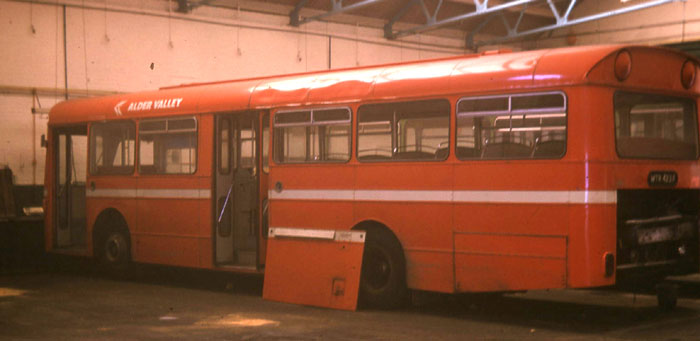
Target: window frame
{"type": "Point", "coordinates": [311, 123]}
{"type": "Point", "coordinates": [394, 132]}
{"type": "Point", "coordinates": [564, 108]}
{"type": "Point", "coordinates": [93, 149]}
{"type": "Point", "coordinates": [167, 131]}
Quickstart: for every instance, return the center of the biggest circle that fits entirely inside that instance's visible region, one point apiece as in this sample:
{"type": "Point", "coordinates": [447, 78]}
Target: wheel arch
{"type": "Point", "coordinates": [373, 225]}
{"type": "Point", "coordinates": [110, 219]}
{"type": "Point", "coordinates": [391, 291]}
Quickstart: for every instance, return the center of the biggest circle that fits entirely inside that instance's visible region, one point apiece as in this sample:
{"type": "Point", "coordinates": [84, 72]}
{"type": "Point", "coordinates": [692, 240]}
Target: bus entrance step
{"type": "Point", "coordinates": [245, 243]}
{"type": "Point", "coordinates": [246, 257]}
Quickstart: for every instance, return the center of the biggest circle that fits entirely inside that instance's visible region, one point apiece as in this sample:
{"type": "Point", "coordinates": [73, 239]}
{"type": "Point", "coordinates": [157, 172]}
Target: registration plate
{"type": "Point", "coordinates": [655, 235]}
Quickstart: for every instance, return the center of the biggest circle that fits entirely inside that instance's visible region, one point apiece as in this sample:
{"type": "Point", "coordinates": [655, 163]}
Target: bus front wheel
{"type": "Point", "coordinates": [116, 250]}
{"type": "Point", "coordinates": [383, 277]}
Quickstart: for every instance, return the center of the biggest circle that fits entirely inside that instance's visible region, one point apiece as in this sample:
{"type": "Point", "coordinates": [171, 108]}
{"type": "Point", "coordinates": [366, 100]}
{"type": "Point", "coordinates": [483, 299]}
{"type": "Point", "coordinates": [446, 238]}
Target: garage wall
{"type": "Point", "coordinates": [130, 45]}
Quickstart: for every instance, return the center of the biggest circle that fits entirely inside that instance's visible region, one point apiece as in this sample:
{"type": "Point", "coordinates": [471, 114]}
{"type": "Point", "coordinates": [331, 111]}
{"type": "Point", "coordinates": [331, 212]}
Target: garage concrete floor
{"type": "Point", "coordinates": [79, 302]}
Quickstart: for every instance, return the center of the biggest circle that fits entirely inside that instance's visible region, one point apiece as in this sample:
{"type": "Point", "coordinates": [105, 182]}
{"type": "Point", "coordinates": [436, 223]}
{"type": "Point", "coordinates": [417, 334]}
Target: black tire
{"type": "Point", "coordinates": [667, 296]}
{"type": "Point", "coordinates": [115, 251]}
{"type": "Point", "coordinates": [383, 278]}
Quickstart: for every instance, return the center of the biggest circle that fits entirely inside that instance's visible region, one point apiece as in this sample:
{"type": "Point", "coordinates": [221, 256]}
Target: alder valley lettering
{"type": "Point", "coordinates": [155, 105]}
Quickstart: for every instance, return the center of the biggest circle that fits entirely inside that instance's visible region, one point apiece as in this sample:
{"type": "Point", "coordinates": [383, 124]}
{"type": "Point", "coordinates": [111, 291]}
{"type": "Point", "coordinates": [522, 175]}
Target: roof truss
{"type": "Point", "coordinates": [562, 20]}
{"type": "Point", "coordinates": [556, 12]}
{"type": "Point", "coordinates": [337, 7]}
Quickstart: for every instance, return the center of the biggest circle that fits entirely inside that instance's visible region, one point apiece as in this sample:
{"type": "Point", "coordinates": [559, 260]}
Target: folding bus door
{"type": "Point", "coordinates": [70, 160]}
{"type": "Point", "coordinates": [237, 181]}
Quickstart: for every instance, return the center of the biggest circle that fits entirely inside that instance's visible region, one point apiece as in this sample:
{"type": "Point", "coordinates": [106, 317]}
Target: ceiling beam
{"type": "Point", "coordinates": [562, 20]}
{"type": "Point", "coordinates": [183, 6]}
{"type": "Point", "coordinates": [337, 7]}
{"type": "Point", "coordinates": [186, 6]}
{"type": "Point", "coordinates": [482, 8]}
{"type": "Point", "coordinates": [539, 11]}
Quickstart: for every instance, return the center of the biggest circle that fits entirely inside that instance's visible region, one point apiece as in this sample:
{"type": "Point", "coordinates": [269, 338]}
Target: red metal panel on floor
{"type": "Point", "coordinates": [314, 267]}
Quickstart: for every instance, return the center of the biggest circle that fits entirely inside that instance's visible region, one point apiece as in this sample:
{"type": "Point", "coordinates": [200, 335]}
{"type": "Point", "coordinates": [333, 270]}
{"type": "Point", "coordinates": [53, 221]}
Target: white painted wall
{"type": "Point", "coordinates": [111, 45]}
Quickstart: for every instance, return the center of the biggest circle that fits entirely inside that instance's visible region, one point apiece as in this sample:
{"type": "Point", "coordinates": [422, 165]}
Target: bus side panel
{"type": "Point", "coordinates": [204, 230]}
{"type": "Point", "coordinates": [174, 211]}
{"type": "Point", "coordinates": [312, 177]}
{"type": "Point", "coordinates": [592, 234]}
{"type": "Point", "coordinates": [507, 238]}
{"type": "Point", "coordinates": [331, 215]}
{"type": "Point", "coordinates": [168, 231]}
{"type": "Point", "coordinates": [517, 175]}
{"type": "Point", "coordinates": [521, 219]}
{"type": "Point", "coordinates": [306, 196]}
{"type": "Point", "coordinates": [407, 198]}
{"type": "Point", "coordinates": [503, 247]}
{"type": "Point", "coordinates": [593, 229]}
{"type": "Point", "coordinates": [491, 262]}
{"type": "Point", "coordinates": [423, 229]}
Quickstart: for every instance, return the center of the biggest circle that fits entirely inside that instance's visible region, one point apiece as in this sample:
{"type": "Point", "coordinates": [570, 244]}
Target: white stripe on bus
{"type": "Point", "coordinates": [149, 193]}
{"type": "Point", "coordinates": [527, 197]}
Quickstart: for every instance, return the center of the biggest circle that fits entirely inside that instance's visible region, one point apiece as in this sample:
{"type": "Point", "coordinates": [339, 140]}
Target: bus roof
{"type": "Point", "coordinates": [480, 73]}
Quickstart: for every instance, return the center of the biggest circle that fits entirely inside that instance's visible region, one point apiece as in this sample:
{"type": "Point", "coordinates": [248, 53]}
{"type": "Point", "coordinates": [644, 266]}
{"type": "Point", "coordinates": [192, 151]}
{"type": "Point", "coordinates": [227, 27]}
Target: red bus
{"type": "Point", "coordinates": [562, 168]}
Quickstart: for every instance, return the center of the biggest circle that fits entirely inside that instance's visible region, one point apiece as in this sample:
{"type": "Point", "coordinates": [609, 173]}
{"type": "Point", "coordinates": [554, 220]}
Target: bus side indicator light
{"type": "Point", "coordinates": [688, 74]}
{"type": "Point", "coordinates": [623, 65]}
{"type": "Point", "coordinates": [609, 264]}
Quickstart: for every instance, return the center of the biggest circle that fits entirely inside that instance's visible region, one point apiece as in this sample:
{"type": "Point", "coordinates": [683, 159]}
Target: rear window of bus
{"type": "Point", "coordinates": [655, 127]}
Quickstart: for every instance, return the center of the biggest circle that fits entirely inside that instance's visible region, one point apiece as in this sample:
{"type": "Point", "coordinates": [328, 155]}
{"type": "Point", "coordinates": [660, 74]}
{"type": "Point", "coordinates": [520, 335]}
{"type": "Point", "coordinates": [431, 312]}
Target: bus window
{"type": "Point", "coordinates": [112, 150]}
{"type": "Point", "coordinates": [519, 126]}
{"type": "Point", "coordinates": [225, 146]}
{"type": "Point", "coordinates": [168, 146]}
{"type": "Point", "coordinates": [656, 127]}
{"type": "Point", "coordinates": [319, 135]}
{"type": "Point", "coordinates": [404, 131]}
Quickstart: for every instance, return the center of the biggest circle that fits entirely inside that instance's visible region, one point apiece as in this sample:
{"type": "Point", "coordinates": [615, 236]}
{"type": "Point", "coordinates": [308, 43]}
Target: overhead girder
{"type": "Point", "coordinates": [562, 20]}
{"type": "Point", "coordinates": [487, 10]}
{"type": "Point", "coordinates": [337, 7]}
{"type": "Point", "coordinates": [186, 6]}
{"type": "Point", "coordinates": [183, 6]}
{"type": "Point", "coordinates": [481, 8]}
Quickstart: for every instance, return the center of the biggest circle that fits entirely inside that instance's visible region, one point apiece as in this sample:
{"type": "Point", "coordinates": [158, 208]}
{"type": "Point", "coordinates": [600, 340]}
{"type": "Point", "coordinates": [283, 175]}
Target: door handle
{"type": "Point", "coordinates": [228, 196]}
{"type": "Point", "coordinates": [92, 186]}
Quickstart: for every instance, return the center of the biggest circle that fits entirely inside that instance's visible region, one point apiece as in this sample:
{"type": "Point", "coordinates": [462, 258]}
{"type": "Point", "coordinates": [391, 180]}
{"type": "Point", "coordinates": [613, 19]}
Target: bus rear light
{"type": "Point", "coordinates": [688, 74]}
{"type": "Point", "coordinates": [623, 65]}
{"type": "Point", "coordinates": [609, 264]}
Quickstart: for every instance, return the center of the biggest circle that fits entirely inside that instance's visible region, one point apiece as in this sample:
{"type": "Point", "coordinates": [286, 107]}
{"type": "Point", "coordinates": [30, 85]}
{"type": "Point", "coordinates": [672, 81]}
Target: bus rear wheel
{"type": "Point", "coordinates": [383, 277]}
{"type": "Point", "coordinates": [667, 296]}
